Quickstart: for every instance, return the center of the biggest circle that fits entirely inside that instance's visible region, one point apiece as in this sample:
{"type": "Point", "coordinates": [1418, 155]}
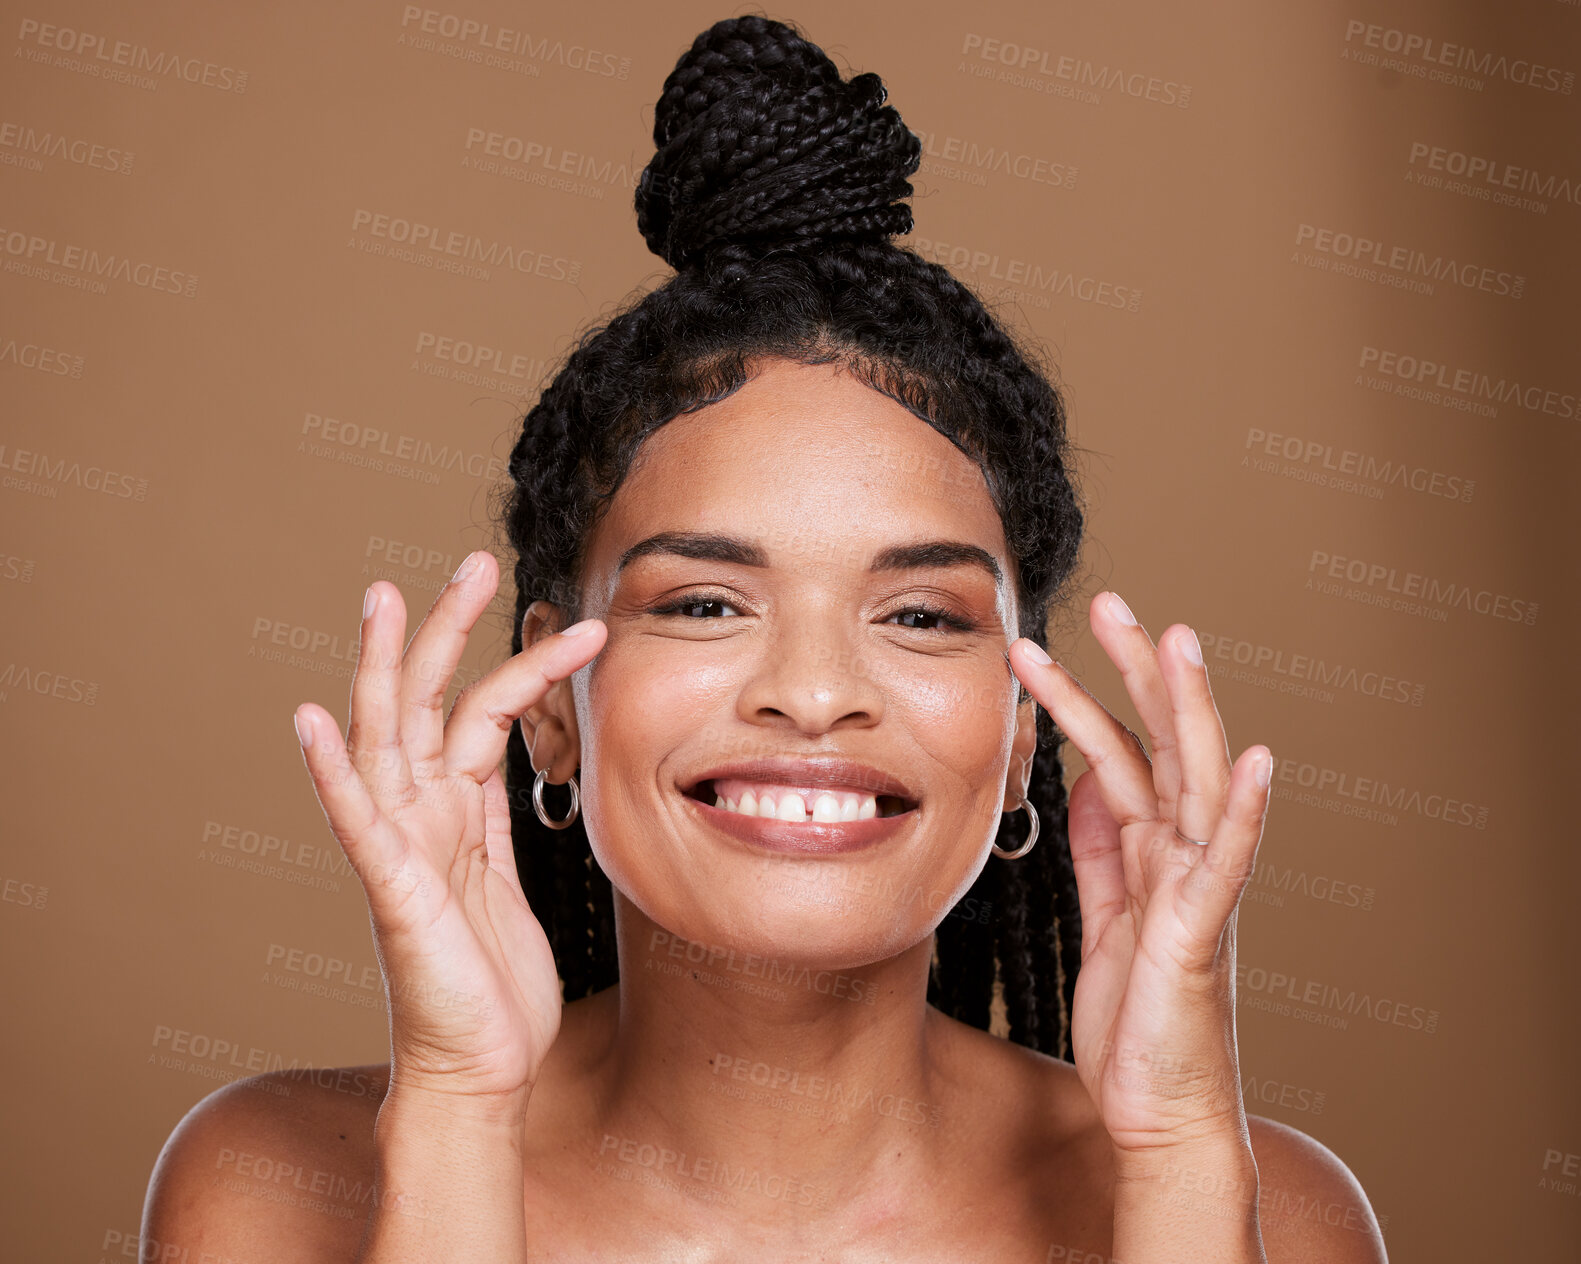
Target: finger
{"type": "Point", "coordinates": [1200, 749]}
{"type": "Point", "coordinates": [373, 735]}
{"type": "Point", "coordinates": [1098, 860]}
{"type": "Point", "coordinates": [1211, 890]}
{"type": "Point", "coordinates": [1131, 650]}
{"type": "Point", "coordinates": [434, 653]}
{"type": "Point", "coordinates": [354, 817]}
{"type": "Point", "coordinates": [1114, 753]}
{"type": "Point", "coordinates": [481, 720]}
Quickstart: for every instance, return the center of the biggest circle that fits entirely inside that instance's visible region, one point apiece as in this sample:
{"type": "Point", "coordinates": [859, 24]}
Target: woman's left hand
{"type": "Point", "coordinates": [1153, 1028]}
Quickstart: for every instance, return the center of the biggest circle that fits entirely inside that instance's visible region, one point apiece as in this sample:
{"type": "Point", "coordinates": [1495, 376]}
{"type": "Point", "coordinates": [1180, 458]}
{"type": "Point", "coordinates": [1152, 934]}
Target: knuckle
{"type": "Point", "coordinates": [424, 703]}
{"type": "Point", "coordinates": [465, 697]}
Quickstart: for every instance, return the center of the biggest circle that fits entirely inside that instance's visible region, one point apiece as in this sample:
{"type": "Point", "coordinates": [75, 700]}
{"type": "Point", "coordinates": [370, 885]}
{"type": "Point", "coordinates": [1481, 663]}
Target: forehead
{"type": "Point", "coordinates": [808, 460]}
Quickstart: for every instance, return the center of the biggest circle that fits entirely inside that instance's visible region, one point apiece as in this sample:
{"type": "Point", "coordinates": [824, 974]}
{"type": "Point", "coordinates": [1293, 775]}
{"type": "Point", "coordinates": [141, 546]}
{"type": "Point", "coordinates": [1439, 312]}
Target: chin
{"type": "Point", "coordinates": [721, 887]}
{"type": "Point", "coordinates": [811, 915]}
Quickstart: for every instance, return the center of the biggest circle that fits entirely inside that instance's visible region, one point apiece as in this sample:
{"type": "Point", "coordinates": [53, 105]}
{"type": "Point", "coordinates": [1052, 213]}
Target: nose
{"type": "Point", "coordinates": [812, 676]}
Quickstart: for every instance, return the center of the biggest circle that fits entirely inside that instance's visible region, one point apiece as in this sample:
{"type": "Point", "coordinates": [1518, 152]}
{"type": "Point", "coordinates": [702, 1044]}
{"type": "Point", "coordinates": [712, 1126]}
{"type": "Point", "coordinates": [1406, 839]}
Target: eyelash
{"type": "Point", "coordinates": [952, 621]}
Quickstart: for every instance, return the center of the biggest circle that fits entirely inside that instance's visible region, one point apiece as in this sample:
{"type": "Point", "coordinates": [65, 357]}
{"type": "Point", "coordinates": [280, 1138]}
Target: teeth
{"type": "Point", "coordinates": [784, 804]}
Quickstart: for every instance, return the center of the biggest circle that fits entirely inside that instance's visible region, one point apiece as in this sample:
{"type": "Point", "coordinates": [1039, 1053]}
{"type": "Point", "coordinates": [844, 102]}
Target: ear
{"type": "Point", "coordinates": [1021, 751]}
{"type": "Point", "coordinates": [549, 725]}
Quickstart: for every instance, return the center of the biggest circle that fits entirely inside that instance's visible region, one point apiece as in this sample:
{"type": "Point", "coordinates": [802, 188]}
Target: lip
{"type": "Point", "coordinates": [832, 771]}
{"type": "Point", "coordinates": [808, 838]}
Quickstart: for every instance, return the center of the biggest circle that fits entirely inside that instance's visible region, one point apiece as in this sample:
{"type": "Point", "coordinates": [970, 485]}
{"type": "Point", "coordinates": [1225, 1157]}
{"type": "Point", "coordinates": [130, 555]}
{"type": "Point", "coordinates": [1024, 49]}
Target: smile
{"type": "Point", "coordinates": [799, 819]}
{"type": "Point", "coordinates": [797, 804]}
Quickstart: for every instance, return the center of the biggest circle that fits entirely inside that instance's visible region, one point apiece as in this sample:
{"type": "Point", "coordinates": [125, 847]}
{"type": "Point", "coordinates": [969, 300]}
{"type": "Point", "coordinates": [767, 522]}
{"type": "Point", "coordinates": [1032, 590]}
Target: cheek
{"type": "Point", "coordinates": [965, 721]}
{"type": "Point", "coordinates": [646, 695]}
{"type": "Point", "coordinates": [633, 713]}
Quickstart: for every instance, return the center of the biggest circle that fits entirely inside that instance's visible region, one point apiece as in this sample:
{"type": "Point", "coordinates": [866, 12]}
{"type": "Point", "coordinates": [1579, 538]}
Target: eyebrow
{"type": "Point", "coordinates": [713, 547]}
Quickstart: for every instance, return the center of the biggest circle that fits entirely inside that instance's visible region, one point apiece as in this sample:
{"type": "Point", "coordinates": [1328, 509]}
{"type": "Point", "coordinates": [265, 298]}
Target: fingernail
{"type": "Point", "coordinates": [1265, 770]}
{"type": "Point", "coordinates": [304, 732]}
{"type": "Point", "coordinates": [577, 629]}
{"type": "Point", "coordinates": [1037, 653]}
{"type": "Point", "coordinates": [370, 600]}
{"type": "Point", "coordinates": [1120, 610]}
{"type": "Point", "coordinates": [1191, 647]}
{"type": "Point", "coordinates": [468, 567]}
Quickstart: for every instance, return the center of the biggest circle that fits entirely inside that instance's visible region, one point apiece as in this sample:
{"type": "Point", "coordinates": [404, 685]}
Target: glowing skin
{"type": "Point", "coordinates": [742, 949]}
{"type": "Point", "coordinates": [808, 655]}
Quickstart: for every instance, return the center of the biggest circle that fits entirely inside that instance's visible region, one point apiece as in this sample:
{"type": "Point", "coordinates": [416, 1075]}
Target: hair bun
{"type": "Point", "coordinates": [759, 141]}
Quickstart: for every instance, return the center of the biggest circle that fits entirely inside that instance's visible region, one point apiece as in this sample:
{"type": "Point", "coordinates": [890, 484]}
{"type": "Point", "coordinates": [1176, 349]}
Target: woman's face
{"type": "Point", "coordinates": [787, 645]}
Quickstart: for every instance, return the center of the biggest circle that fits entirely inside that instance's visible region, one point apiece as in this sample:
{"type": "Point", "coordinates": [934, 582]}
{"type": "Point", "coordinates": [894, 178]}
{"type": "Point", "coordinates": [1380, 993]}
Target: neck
{"type": "Point", "coordinates": [710, 1066]}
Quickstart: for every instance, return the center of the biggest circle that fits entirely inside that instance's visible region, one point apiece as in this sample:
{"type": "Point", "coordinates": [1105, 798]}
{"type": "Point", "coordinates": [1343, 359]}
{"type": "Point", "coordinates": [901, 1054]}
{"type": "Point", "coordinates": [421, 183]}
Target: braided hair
{"type": "Point", "coordinates": [773, 192]}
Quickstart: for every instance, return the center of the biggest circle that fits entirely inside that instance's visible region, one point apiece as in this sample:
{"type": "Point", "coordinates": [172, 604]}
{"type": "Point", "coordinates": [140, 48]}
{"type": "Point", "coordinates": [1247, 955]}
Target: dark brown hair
{"type": "Point", "coordinates": [774, 190]}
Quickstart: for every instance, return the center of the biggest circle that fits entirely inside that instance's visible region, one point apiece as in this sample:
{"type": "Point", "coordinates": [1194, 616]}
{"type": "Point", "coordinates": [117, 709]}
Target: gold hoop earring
{"type": "Point", "coordinates": [537, 803]}
{"type": "Point", "coordinates": [1031, 838]}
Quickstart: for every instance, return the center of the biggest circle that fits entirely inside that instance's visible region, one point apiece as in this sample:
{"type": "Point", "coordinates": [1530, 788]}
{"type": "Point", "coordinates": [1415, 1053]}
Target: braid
{"type": "Point", "coordinates": [774, 190]}
{"type": "Point", "coordinates": [758, 138]}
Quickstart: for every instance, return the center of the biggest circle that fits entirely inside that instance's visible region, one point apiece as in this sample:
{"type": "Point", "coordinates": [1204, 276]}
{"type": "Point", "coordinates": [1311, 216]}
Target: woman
{"type": "Point", "coordinates": [788, 533]}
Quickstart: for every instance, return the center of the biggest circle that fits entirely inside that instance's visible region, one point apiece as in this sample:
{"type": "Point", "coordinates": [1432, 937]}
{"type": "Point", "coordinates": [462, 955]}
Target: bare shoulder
{"type": "Point", "coordinates": [1310, 1204]}
{"type": "Point", "coordinates": [1002, 1078]}
{"type": "Point", "coordinates": [1036, 1117]}
{"type": "Point", "coordinates": [268, 1167]}
{"type": "Point", "coordinates": [1022, 1124]}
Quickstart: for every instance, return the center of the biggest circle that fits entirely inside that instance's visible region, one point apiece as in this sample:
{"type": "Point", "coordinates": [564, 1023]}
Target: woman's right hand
{"type": "Point", "coordinates": [418, 804]}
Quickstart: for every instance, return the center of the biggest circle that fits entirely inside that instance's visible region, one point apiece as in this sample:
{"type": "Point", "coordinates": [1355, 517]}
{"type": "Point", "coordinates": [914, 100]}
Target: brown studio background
{"type": "Point", "coordinates": [172, 509]}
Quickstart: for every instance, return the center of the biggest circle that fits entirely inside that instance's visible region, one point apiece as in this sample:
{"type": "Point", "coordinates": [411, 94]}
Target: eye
{"type": "Point", "coordinates": [949, 621]}
{"type": "Point", "coordinates": [693, 601]}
